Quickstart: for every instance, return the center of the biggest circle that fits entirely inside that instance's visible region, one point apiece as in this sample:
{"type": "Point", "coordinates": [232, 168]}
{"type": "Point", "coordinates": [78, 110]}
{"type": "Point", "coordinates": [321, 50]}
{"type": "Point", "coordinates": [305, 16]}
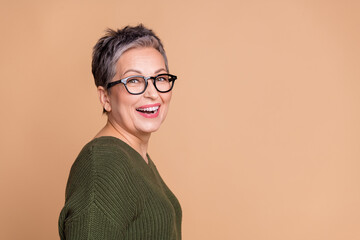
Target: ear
{"type": "Point", "coordinates": [104, 98]}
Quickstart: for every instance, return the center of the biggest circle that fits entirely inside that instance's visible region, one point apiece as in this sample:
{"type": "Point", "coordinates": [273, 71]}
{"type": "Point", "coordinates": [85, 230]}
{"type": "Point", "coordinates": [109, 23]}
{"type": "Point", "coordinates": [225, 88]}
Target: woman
{"type": "Point", "coordinates": [114, 190]}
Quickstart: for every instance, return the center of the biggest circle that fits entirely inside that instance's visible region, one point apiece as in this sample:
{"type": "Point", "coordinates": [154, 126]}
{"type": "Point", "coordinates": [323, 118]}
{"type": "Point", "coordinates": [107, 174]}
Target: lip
{"type": "Point", "coordinates": [149, 115]}
{"type": "Point", "coordinates": [149, 105]}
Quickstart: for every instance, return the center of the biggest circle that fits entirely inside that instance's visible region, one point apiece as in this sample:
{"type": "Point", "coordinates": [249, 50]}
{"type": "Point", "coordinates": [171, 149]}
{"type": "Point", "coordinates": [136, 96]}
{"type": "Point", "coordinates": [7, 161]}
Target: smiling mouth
{"type": "Point", "coordinates": [148, 110]}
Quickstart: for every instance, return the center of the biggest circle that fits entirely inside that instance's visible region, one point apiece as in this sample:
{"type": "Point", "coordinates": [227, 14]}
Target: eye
{"type": "Point", "coordinates": [162, 78]}
{"type": "Point", "coordinates": [133, 80]}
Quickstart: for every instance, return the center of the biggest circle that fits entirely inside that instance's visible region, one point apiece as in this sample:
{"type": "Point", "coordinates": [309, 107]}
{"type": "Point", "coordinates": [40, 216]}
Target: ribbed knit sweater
{"type": "Point", "coordinates": [112, 193]}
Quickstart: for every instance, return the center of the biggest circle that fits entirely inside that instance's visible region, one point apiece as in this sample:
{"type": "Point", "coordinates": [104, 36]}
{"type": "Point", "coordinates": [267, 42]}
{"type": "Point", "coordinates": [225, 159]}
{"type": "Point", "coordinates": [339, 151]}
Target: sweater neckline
{"type": "Point", "coordinates": [148, 169]}
{"type": "Point", "coordinates": [149, 163]}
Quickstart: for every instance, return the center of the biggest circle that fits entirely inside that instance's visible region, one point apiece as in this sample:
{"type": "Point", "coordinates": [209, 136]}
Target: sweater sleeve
{"type": "Point", "coordinates": [100, 198]}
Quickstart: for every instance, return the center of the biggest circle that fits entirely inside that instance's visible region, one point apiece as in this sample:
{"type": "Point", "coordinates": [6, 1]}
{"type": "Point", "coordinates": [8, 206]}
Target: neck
{"type": "Point", "coordinates": [139, 143]}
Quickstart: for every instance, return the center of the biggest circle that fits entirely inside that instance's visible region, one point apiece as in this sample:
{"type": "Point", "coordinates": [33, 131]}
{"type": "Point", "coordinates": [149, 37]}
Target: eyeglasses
{"type": "Point", "coordinates": [137, 84]}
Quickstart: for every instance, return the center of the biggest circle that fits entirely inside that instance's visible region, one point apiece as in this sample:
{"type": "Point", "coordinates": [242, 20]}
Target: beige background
{"type": "Point", "coordinates": [262, 141]}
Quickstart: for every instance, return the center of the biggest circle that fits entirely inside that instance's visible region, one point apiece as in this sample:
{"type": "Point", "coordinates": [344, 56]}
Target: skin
{"type": "Point", "coordinates": [124, 122]}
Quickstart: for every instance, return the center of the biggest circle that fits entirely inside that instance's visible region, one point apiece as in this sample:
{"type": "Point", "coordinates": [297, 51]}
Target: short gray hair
{"type": "Point", "coordinates": [110, 47]}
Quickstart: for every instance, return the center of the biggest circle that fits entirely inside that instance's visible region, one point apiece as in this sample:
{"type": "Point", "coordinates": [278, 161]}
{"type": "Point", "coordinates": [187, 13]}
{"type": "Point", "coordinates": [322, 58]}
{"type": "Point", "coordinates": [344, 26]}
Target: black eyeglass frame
{"type": "Point", "coordinates": [123, 81]}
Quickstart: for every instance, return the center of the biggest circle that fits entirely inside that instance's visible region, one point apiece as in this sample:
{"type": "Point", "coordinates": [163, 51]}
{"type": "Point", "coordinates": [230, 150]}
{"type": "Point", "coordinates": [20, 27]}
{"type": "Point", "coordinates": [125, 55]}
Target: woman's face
{"type": "Point", "coordinates": [129, 111]}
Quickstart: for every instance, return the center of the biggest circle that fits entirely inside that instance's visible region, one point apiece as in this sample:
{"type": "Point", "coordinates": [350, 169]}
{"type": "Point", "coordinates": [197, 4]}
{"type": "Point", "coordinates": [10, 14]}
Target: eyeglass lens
{"type": "Point", "coordinates": [137, 84]}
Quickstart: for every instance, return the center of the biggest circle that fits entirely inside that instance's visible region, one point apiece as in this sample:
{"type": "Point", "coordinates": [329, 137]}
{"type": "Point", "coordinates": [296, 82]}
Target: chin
{"type": "Point", "coordinates": [149, 128]}
{"type": "Point", "coordinates": [148, 131]}
{"type": "Point", "coordinates": [148, 125]}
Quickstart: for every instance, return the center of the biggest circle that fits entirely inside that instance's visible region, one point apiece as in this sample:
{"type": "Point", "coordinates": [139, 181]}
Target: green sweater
{"type": "Point", "coordinates": [112, 193]}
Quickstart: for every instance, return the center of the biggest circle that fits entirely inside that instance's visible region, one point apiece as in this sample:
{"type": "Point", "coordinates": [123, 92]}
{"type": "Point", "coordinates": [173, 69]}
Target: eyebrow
{"type": "Point", "coordinates": [139, 72]}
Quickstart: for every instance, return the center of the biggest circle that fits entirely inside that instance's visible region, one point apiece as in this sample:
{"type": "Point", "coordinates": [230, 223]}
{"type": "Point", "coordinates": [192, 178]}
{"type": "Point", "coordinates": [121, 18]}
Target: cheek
{"type": "Point", "coordinates": [122, 101]}
{"type": "Point", "coordinates": [167, 98]}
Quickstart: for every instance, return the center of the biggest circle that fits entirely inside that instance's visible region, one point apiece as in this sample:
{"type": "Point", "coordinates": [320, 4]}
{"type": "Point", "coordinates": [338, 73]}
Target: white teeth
{"type": "Point", "coordinates": [149, 109]}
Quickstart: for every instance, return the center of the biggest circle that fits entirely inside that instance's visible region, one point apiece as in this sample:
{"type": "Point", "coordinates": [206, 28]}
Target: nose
{"type": "Point", "coordinates": [151, 91]}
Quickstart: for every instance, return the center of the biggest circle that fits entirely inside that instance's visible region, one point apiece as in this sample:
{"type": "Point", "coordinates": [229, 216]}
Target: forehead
{"type": "Point", "coordinates": [142, 60]}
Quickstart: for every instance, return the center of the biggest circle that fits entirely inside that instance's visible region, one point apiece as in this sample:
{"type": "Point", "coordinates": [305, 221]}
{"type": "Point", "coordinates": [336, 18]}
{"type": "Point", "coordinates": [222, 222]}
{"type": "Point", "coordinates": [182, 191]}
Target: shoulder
{"type": "Point", "coordinates": [105, 149]}
{"type": "Point", "coordinates": [105, 160]}
{"type": "Point", "coordinates": [102, 175]}
{"type": "Point", "coordinates": [103, 152]}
